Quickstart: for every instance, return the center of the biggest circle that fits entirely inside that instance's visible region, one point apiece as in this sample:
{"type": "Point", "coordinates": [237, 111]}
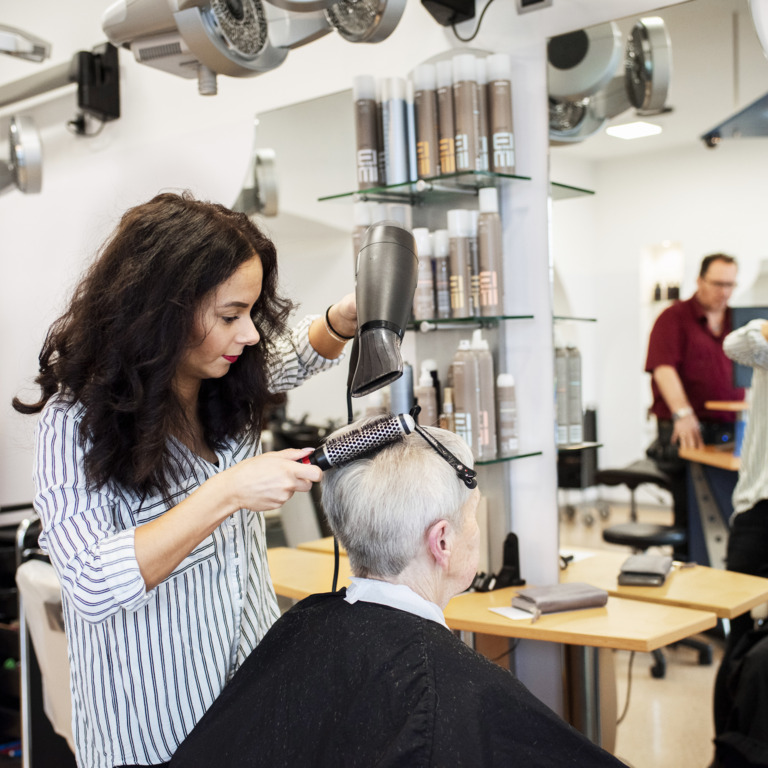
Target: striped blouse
{"type": "Point", "coordinates": [145, 666]}
{"type": "Point", "coordinates": [747, 346]}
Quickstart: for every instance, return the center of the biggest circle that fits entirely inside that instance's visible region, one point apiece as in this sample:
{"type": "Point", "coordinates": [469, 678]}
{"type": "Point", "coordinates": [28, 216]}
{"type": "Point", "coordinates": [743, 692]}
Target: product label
{"type": "Point", "coordinates": [367, 166]}
{"type": "Point", "coordinates": [447, 156]}
{"type": "Point", "coordinates": [462, 152]}
{"type": "Point", "coordinates": [575, 434]}
{"type": "Point", "coordinates": [458, 294]}
{"type": "Point", "coordinates": [483, 432]}
{"type": "Point", "coordinates": [489, 291]}
{"type": "Point", "coordinates": [424, 159]}
{"type": "Point", "coordinates": [503, 150]}
{"type": "Point", "coordinates": [463, 421]}
{"type": "Point", "coordinates": [482, 153]}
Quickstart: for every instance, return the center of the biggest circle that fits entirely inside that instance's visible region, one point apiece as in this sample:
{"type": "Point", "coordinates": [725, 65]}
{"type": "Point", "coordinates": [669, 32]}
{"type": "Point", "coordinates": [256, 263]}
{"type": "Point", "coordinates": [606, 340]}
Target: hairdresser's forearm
{"type": "Point", "coordinates": [343, 321]}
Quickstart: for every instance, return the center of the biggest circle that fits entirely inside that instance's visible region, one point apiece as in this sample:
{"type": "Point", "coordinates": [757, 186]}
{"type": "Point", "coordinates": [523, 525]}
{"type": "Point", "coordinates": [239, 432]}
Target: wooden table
{"type": "Point", "coordinates": [622, 624]}
{"type": "Point", "coordinates": [712, 456]}
{"type": "Point", "coordinates": [726, 593]}
{"type": "Point", "coordinates": [321, 545]}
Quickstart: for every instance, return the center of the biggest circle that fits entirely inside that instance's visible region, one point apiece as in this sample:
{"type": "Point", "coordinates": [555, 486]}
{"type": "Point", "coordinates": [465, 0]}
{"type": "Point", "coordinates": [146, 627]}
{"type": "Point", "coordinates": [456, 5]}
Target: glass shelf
{"type": "Point", "coordinates": [423, 190]}
{"type": "Point", "coordinates": [461, 323]}
{"type": "Point", "coordinates": [567, 319]}
{"type": "Point", "coordinates": [566, 191]}
{"type": "Point", "coordinates": [579, 446]}
{"type": "Point", "coordinates": [520, 455]}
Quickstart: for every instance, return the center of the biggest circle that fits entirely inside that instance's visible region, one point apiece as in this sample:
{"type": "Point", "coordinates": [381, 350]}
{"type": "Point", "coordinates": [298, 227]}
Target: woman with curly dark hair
{"type": "Point", "coordinates": [150, 481]}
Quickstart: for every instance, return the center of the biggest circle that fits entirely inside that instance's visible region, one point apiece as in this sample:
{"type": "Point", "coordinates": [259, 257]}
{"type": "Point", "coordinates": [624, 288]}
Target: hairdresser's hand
{"type": "Point", "coordinates": [343, 315]}
{"type": "Point", "coordinates": [267, 481]}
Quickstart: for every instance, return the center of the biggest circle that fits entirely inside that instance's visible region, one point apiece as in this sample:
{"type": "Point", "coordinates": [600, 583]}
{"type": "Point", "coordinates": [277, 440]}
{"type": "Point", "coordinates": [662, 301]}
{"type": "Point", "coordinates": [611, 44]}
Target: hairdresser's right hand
{"type": "Point", "coordinates": [267, 481]}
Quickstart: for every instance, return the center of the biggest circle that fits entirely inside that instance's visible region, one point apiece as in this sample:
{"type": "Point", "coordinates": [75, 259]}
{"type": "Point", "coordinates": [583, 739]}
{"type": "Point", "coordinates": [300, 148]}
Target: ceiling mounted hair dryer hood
{"type": "Point", "coordinates": [590, 81]}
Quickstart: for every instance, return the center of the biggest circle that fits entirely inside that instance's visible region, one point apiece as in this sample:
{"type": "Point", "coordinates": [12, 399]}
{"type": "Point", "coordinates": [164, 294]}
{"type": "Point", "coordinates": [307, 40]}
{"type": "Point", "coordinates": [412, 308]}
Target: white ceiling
{"type": "Point", "coordinates": [718, 67]}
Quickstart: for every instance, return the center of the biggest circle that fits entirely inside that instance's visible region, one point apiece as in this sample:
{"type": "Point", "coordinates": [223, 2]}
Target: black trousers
{"type": "Point", "coordinates": [747, 553]}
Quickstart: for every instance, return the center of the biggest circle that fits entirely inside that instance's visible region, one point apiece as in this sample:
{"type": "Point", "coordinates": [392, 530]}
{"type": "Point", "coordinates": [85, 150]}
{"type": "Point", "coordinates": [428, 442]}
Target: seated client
{"type": "Point", "coordinates": [371, 675]}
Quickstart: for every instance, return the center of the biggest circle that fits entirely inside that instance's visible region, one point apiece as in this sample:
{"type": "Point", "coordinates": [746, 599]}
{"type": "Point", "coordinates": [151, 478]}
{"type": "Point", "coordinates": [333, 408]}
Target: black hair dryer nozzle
{"type": "Point", "coordinates": [387, 270]}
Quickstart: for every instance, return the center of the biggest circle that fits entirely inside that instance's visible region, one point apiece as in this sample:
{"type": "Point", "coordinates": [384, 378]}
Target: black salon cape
{"type": "Point", "coordinates": [362, 685]}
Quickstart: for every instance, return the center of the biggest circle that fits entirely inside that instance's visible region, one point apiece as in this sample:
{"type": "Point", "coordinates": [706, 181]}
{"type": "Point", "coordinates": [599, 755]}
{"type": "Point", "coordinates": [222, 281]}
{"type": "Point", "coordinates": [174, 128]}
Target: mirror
{"type": "Point", "coordinates": [660, 204]}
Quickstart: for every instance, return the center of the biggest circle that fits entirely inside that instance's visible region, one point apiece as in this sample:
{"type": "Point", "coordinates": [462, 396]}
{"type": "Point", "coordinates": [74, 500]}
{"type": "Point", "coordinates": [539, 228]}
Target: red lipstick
{"type": "Point", "coordinates": [231, 358]}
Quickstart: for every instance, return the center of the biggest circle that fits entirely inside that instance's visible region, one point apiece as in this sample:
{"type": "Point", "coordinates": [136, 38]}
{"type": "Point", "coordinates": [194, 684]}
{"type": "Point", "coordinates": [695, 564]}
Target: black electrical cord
{"type": "Point", "coordinates": [629, 688]}
{"type": "Point", "coordinates": [477, 28]}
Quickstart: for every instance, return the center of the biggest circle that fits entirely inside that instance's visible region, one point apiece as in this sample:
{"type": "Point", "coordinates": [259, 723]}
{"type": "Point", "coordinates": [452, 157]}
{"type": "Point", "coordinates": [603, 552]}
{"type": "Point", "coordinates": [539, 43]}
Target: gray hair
{"type": "Point", "coordinates": [379, 507]}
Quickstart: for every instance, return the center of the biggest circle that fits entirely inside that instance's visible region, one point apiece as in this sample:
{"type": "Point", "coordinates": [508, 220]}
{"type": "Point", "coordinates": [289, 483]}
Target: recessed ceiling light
{"type": "Point", "coordinates": [635, 130]}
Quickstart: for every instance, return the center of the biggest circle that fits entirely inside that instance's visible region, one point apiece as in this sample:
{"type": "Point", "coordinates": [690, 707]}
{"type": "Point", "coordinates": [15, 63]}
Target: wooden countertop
{"type": "Point", "coordinates": [712, 456]}
{"type": "Point", "coordinates": [726, 593]}
{"type": "Point", "coordinates": [623, 624]}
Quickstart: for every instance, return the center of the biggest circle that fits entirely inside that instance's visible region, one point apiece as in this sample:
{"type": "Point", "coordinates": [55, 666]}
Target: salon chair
{"type": "Point", "coordinates": [641, 536]}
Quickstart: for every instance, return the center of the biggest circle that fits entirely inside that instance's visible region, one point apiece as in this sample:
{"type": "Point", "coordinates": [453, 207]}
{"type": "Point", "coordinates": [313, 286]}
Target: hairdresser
{"type": "Point", "coordinates": [150, 482]}
{"type": "Point", "coordinates": [371, 675]}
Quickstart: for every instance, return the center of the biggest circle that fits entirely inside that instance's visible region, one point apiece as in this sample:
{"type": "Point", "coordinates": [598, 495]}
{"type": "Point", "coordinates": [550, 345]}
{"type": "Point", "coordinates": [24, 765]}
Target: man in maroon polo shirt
{"type": "Point", "coordinates": [689, 368]}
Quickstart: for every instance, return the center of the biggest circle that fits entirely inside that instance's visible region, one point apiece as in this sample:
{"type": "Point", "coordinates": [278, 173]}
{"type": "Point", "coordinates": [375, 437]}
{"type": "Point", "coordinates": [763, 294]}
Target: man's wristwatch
{"type": "Point", "coordinates": [681, 413]}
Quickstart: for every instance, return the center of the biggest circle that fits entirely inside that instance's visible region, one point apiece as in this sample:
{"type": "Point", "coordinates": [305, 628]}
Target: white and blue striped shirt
{"type": "Point", "coordinates": [145, 666]}
{"type": "Point", "coordinates": [747, 345]}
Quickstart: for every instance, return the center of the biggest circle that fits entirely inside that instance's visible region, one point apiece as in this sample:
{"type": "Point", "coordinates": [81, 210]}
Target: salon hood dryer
{"type": "Point", "coordinates": [386, 275]}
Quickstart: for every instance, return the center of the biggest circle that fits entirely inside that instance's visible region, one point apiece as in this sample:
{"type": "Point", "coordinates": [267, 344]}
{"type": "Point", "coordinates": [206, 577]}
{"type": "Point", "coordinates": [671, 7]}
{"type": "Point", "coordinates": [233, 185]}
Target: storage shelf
{"type": "Point", "coordinates": [428, 190]}
{"type": "Point", "coordinates": [568, 319]}
{"type": "Point", "coordinates": [579, 446]}
{"type": "Point", "coordinates": [567, 191]}
{"type": "Point", "coordinates": [461, 323]}
{"type": "Point", "coordinates": [519, 455]}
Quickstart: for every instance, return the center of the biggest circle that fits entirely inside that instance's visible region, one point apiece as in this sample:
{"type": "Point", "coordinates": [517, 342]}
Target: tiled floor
{"type": "Point", "coordinates": [668, 722]}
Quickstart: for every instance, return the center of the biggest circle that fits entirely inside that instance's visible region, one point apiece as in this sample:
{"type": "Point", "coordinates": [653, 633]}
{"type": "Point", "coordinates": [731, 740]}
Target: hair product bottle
{"type": "Point", "coordinates": [474, 264]}
{"type": "Point", "coordinates": [561, 397]}
{"type": "Point", "coordinates": [401, 391]}
{"type": "Point", "coordinates": [394, 115]}
{"type": "Point", "coordinates": [490, 256]}
{"type": "Point", "coordinates": [446, 125]}
{"type": "Point", "coordinates": [366, 131]}
{"type": "Point", "coordinates": [431, 366]}
{"type": "Point", "coordinates": [448, 416]}
{"type": "Point", "coordinates": [410, 114]}
{"type": "Point", "coordinates": [575, 408]}
{"type": "Point", "coordinates": [426, 397]}
{"type": "Point", "coordinates": [486, 399]}
{"type": "Point", "coordinates": [483, 162]}
{"type": "Point", "coordinates": [500, 125]}
{"type": "Point", "coordinates": [441, 253]}
{"type": "Point", "coordinates": [506, 410]}
{"type": "Point", "coordinates": [466, 111]}
{"type": "Point", "coordinates": [460, 262]}
{"type": "Point", "coordinates": [464, 370]}
{"type": "Point", "coordinates": [361, 214]}
{"type": "Point", "coordinates": [425, 103]}
{"type": "Point", "coordinates": [424, 298]}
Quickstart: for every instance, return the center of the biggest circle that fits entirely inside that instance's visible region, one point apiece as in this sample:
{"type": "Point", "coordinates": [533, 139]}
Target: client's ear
{"type": "Point", "coordinates": [439, 542]}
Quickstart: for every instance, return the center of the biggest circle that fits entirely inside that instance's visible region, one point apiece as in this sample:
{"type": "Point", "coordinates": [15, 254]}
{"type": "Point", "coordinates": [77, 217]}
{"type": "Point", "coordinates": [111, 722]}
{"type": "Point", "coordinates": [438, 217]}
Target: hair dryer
{"type": "Point", "coordinates": [386, 275]}
{"type": "Point", "coordinates": [355, 443]}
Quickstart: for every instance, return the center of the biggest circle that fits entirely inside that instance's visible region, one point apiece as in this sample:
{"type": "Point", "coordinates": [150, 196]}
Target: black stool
{"type": "Point", "coordinates": [641, 536]}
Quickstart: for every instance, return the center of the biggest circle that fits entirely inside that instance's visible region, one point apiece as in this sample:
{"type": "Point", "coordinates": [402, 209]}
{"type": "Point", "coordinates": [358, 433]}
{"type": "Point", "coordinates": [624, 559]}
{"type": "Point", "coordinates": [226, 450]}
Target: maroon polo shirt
{"type": "Point", "coordinates": [681, 338]}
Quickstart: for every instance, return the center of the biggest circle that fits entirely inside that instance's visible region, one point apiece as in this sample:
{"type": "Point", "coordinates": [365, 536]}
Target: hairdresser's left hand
{"type": "Point", "coordinates": [343, 315]}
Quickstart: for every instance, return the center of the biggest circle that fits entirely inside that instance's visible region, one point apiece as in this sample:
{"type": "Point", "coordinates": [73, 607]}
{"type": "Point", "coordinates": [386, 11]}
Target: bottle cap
{"type": "Point", "coordinates": [423, 242]}
{"type": "Point", "coordinates": [425, 378]}
{"type": "Point", "coordinates": [393, 88]}
{"type": "Point", "coordinates": [478, 342]}
{"type": "Point", "coordinates": [458, 222]}
{"type": "Point", "coordinates": [429, 364]}
{"type": "Point", "coordinates": [505, 380]}
{"type": "Point", "coordinates": [499, 67]}
{"type": "Point", "coordinates": [444, 73]}
{"type": "Point", "coordinates": [464, 67]}
{"type": "Point", "coordinates": [465, 344]}
{"type": "Point", "coordinates": [425, 77]}
{"type": "Point", "coordinates": [473, 217]}
{"type": "Point", "coordinates": [364, 87]}
{"type": "Point", "coordinates": [440, 243]}
{"type": "Point", "coordinates": [488, 200]}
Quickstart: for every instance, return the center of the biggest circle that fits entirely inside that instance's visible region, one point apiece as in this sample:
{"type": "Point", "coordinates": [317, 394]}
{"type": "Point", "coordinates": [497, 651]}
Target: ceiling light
{"type": "Point", "coordinates": [636, 130]}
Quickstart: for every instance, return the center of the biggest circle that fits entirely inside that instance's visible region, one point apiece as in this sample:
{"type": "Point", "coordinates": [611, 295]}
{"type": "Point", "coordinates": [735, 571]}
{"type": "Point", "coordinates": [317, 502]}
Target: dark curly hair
{"type": "Point", "coordinates": [117, 347]}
